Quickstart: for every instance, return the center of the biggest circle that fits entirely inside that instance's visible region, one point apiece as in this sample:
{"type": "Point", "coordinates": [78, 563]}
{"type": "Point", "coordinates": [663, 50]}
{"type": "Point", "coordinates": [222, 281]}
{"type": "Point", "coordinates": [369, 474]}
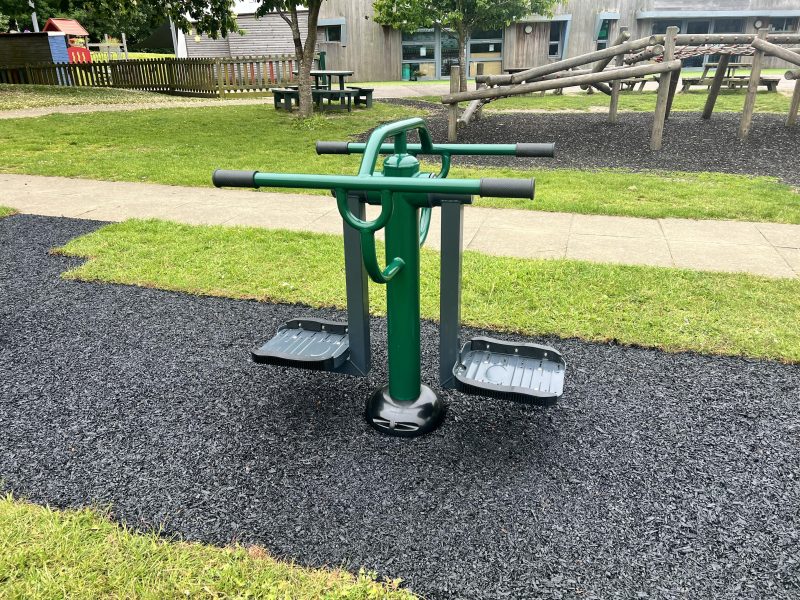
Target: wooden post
{"type": "Point", "coordinates": [657, 137]}
{"type": "Point", "coordinates": [716, 85]}
{"type": "Point", "coordinates": [452, 109]}
{"type": "Point", "coordinates": [752, 89]}
{"type": "Point", "coordinates": [647, 54]}
{"type": "Point", "coordinates": [624, 35]}
{"type": "Point", "coordinates": [479, 71]}
{"type": "Point", "coordinates": [673, 86]}
{"type": "Point", "coordinates": [556, 83]}
{"type": "Point", "coordinates": [789, 55]}
{"type": "Point", "coordinates": [220, 78]}
{"type": "Point", "coordinates": [568, 63]}
{"type": "Point", "coordinates": [795, 106]}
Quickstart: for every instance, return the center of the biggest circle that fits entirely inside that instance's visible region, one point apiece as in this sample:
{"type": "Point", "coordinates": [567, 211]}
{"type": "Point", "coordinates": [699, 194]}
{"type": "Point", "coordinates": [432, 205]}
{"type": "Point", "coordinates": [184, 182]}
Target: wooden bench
{"type": "Point", "coordinates": [733, 83]}
{"type": "Point", "coordinates": [363, 96]}
{"type": "Point", "coordinates": [630, 84]}
{"type": "Point", "coordinates": [284, 98]}
{"type": "Point", "coordinates": [345, 98]}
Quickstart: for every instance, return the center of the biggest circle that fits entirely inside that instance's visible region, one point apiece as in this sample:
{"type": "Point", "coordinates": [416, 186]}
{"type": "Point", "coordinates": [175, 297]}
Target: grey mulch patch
{"type": "Point", "coordinates": [658, 475]}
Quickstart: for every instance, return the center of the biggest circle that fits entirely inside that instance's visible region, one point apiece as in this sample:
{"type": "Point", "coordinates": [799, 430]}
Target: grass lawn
{"type": "Point", "coordinates": [47, 553]}
{"type": "Point", "coordinates": [656, 307]}
{"type": "Point", "coordinates": [5, 211]}
{"type": "Point", "coordinates": [184, 146]}
{"type": "Point", "coordinates": [693, 101]}
{"type": "Point", "coordinates": [15, 97]}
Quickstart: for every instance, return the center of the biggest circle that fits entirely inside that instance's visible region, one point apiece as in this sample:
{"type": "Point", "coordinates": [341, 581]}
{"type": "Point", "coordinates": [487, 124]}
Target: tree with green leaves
{"type": "Point", "coordinates": [212, 17]}
{"type": "Point", "coordinates": [215, 18]}
{"type": "Point", "coordinates": [98, 17]}
{"type": "Point", "coordinates": [461, 16]}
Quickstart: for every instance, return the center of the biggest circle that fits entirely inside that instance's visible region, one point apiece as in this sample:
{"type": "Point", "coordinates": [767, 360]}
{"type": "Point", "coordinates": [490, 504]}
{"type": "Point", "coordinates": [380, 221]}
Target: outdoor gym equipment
{"type": "Point", "coordinates": [483, 366]}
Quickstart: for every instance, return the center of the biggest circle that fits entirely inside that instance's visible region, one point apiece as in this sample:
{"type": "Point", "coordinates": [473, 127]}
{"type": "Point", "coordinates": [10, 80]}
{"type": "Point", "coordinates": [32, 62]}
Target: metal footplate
{"type": "Point", "coordinates": [306, 343]}
{"type": "Point", "coordinates": [515, 371]}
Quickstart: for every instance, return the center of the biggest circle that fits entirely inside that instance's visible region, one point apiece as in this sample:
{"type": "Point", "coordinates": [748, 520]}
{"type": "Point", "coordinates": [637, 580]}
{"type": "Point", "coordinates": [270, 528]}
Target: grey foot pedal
{"type": "Point", "coordinates": [308, 344]}
{"type": "Point", "coordinates": [508, 370]}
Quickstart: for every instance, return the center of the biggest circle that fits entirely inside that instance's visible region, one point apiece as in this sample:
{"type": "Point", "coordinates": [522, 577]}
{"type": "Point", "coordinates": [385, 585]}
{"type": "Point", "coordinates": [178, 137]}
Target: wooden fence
{"type": "Point", "coordinates": [180, 76]}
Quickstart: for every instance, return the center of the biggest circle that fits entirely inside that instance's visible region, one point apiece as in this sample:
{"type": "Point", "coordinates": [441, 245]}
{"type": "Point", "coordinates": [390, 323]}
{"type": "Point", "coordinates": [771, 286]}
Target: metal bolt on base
{"type": "Point", "coordinates": [405, 419]}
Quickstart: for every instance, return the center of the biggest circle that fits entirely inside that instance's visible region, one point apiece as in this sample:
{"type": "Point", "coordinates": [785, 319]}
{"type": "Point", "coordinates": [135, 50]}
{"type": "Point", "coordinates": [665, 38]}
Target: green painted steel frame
{"type": "Point", "coordinates": [403, 191]}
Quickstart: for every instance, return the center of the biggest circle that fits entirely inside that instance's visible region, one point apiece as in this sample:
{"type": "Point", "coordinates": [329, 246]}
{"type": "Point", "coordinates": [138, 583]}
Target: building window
{"type": "Point", "coordinates": [332, 33]}
{"type": "Point", "coordinates": [728, 25]}
{"type": "Point", "coordinates": [603, 33]}
{"type": "Point", "coordinates": [485, 53]}
{"type": "Point", "coordinates": [556, 46]}
{"type": "Point", "coordinates": [783, 24]}
{"type": "Point", "coordinates": [419, 54]}
{"type": "Point", "coordinates": [660, 27]}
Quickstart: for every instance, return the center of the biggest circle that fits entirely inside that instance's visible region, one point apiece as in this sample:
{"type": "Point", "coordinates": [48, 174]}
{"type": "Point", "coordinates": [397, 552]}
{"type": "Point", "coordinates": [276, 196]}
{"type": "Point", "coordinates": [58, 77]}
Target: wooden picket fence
{"type": "Point", "coordinates": [203, 77]}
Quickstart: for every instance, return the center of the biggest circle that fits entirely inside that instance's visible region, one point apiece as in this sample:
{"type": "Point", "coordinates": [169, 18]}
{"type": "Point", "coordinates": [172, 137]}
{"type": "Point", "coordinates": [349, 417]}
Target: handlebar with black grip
{"type": "Point", "coordinates": [332, 148]}
{"type": "Point", "coordinates": [536, 150]}
{"type": "Point", "coordinates": [508, 188]}
{"type": "Point", "coordinates": [532, 150]}
{"type": "Point", "coordinates": [229, 178]}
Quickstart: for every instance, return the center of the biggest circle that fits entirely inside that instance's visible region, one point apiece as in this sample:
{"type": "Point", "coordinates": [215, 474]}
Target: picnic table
{"type": "Point", "coordinates": [326, 76]}
{"type": "Point", "coordinates": [323, 90]}
{"type": "Point", "coordinates": [732, 79]}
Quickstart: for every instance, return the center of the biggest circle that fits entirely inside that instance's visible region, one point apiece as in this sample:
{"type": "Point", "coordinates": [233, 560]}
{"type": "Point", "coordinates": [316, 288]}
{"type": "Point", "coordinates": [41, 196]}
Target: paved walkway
{"type": "Point", "coordinates": [763, 248]}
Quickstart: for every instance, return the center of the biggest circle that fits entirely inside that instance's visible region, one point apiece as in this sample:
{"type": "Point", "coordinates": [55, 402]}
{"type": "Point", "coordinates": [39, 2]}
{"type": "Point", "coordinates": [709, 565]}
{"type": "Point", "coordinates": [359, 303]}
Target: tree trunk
{"type": "Point", "coordinates": [304, 53]}
{"type": "Point", "coordinates": [462, 58]}
{"type": "Point", "coordinates": [307, 61]}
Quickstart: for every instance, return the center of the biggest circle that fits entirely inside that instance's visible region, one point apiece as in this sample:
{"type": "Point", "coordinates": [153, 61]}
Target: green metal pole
{"type": "Point", "coordinates": [402, 302]}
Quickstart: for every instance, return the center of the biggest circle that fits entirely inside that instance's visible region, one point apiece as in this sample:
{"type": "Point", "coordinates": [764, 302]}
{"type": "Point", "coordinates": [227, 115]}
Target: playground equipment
{"type": "Point", "coordinates": [484, 366]}
{"type": "Point", "coordinates": [667, 53]}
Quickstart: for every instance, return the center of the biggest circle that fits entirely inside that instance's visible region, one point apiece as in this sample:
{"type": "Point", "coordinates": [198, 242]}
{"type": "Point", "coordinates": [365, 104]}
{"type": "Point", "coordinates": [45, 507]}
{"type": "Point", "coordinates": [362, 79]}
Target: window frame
{"type": "Point", "coordinates": [562, 25]}
{"type": "Point", "coordinates": [332, 23]}
{"type": "Point", "coordinates": [795, 21]}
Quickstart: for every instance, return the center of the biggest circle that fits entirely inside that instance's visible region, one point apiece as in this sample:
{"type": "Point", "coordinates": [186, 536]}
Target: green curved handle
{"type": "Point", "coordinates": [445, 166]}
{"type": "Point", "coordinates": [424, 224]}
{"type": "Point", "coordinates": [356, 223]}
{"type": "Point", "coordinates": [367, 230]}
{"type": "Point", "coordinates": [373, 146]}
{"type": "Point", "coordinates": [370, 256]}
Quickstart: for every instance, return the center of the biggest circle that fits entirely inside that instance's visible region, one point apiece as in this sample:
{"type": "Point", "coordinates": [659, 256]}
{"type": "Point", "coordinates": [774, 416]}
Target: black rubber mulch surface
{"type": "Point", "coordinates": [658, 475]}
{"type": "Point", "coordinates": [588, 141]}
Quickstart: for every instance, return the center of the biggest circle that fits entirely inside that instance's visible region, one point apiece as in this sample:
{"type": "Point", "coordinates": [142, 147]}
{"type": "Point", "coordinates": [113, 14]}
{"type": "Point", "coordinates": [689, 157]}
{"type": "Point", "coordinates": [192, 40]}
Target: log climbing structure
{"type": "Point", "coordinates": [627, 62]}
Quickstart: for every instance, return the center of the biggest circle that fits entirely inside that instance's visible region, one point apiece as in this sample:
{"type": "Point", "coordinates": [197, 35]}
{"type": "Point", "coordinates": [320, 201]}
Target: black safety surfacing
{"type": "Point", "coordinates": [656, 474]}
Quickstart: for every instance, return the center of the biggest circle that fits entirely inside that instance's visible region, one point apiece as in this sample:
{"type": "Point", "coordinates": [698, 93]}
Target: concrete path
{"type": "Point", "coordinates": [770, 249]}
{"type": "Point", "coordinates": [41, 111]}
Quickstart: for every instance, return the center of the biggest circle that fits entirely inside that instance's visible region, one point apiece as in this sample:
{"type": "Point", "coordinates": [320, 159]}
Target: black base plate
{"type": "Point", "coordinates": [405, 419]}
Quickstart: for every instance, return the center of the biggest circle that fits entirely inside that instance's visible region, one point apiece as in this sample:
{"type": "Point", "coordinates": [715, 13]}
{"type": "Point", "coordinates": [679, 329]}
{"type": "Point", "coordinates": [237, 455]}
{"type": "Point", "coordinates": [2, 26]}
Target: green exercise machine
{"type": "Point", "coordinates": [483, 366]}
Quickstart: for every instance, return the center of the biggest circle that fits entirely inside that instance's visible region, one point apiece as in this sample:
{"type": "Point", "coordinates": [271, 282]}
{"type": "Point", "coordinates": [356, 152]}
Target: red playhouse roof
{"type": "Point", "coordinates": [68, 26]}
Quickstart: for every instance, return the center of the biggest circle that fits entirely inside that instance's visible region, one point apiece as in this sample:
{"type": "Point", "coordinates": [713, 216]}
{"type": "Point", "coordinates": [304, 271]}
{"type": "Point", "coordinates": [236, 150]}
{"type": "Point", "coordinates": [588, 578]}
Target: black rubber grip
{"type": "Point", "coordinates": [536, 150]}
{"type": "Point", "coordinates": [508, 188]}
{"type": "Point", "coordinates": [227, 178]}
{"type": "Point", "coordinates": [332, 148]}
